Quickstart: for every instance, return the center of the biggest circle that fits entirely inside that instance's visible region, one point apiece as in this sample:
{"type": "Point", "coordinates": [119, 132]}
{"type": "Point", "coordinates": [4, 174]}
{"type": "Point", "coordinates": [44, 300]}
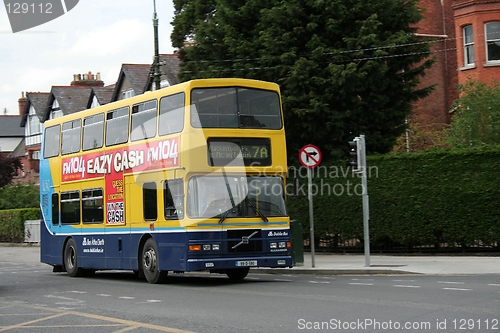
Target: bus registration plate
{"type": "Point", "coordinates": [246, 263]}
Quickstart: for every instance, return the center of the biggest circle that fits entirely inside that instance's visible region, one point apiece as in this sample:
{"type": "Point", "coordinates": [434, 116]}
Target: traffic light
{"type": "Point", "coordinates": [354, 154]}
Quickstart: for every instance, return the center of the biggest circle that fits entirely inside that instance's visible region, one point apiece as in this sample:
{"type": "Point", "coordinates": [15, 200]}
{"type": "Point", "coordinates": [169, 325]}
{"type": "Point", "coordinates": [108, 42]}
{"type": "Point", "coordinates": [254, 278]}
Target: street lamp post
{"type": "Point", "coordinates": [156, 61]}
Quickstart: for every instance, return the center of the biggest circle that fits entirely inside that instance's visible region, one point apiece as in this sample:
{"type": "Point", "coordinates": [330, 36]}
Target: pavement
{"type": "Point", "coordinates": [334, 264]}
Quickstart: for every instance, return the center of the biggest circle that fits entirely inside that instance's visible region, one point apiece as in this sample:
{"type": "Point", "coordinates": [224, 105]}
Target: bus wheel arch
{"type": "Point", "coordinates": [70, 258]}
{"type": "Point", "coordinates": [149, 262]}
{"type": "Point", "coordinates": [237, 274]}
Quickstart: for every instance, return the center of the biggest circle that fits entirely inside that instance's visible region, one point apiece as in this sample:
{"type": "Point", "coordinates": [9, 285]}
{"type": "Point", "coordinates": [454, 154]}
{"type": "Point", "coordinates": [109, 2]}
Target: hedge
{"type": "Point", "coordinates": [449, 197]}
{"type": "Point", "coordinates": [12, 223]}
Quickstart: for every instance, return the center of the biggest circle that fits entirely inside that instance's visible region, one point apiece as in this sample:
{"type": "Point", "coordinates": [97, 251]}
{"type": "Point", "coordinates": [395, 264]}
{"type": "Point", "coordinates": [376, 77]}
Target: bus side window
{"type": "Point", "coordinates": [93, 131]}
{"type": "Point", "coordinates": [71, 136]}
{"type": "Point", "coordinates": [144, 120]}
{"type": "Point", "coordinates": [117, 126]}
{"type": "Point", "coordinates": [92, 206]}
{"type": "Point", "coordinates": [149, 201]}
{"type": "Point", "coordinates": [70, 207]}
{"type": "Point", "coordinates": [171, 114]}
{"type": "Point", "coordinates": [52, 141]}
{"type": "Point", "coordinates": [173, 195]}
{"type": "Point", "coordinates": [55, 208]}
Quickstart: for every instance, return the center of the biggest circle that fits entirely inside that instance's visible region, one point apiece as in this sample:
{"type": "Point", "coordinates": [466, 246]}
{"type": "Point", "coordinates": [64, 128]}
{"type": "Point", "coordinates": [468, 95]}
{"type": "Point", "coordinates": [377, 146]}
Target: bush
{"type": "Point", "coordinates": [426, 198]}
{"type": "Point", "coordinates": [12, 223]}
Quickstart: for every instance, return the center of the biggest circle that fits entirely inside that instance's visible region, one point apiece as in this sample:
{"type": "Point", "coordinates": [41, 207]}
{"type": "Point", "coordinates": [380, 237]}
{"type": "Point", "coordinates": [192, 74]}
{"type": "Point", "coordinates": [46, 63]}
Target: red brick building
{"type": "Point", "coordinates": [465, 37]}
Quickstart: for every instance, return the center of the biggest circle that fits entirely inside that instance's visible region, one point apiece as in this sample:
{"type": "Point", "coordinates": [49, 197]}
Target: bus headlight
{"type": "Point", "coordinates": [273, 245]}
{"type": "Point", "coordinates": [216, 247]}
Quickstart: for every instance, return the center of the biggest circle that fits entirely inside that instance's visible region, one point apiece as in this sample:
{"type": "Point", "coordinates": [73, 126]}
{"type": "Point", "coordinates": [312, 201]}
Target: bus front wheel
{"type": "Point", "coordinates": [237, 274]}
{"type": "Point", "coordinates": [150, 263]}
{"type": "Point", "coordinates": [71, 259]}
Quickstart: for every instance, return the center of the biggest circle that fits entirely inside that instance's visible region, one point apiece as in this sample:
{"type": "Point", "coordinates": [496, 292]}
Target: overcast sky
{"type": "Point", "coordinates": [96, 36]}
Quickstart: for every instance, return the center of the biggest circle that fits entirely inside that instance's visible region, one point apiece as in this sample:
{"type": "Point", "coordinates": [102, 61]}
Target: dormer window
{"type": "Point", "coordinates": [55, 111]}
{"type": "Point", "coordinates": [128, 93]}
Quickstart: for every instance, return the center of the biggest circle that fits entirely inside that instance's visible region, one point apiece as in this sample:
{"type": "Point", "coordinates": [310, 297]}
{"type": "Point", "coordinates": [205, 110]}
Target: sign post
{"type": "Point", "coordinates": [310, 157]}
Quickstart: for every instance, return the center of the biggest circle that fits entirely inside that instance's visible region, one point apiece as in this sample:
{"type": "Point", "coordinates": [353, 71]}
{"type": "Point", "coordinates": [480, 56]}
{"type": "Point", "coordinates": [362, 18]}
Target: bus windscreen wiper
{"type": "Point", "coordinates": [224, 215]}
{"type": "Point", "coordinates": [256, 210]}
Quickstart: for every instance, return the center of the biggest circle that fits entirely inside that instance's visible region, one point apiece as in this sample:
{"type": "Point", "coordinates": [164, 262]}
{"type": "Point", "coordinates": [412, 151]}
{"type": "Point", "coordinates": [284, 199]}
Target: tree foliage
{"type": "Point", "coordinates": [8, 168]}
{"type": "Point", "coordinates": [345, 67]}
{"type": "Point", "coordinates": [19, 195]}
{"type": "Point", "coordinates": [476, 119]}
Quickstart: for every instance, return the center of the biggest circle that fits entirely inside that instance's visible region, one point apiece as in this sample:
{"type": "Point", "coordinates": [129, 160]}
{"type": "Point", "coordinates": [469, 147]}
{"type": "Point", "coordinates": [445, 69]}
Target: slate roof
{"type": "Point", "coordinates": [137, 74]}
{"type": "Point", "coordinates": [9, 127]}
{"type": "Point", "coordinates": [169, 68]}
{"type": "Point", "coordinates": [103, 94]}
{"type": "Point", "coordinates": [39, 102]}
{"type": "Point", "coordinates": [71, 99]}
{"type": "Point", "coordinates": [20, 150]}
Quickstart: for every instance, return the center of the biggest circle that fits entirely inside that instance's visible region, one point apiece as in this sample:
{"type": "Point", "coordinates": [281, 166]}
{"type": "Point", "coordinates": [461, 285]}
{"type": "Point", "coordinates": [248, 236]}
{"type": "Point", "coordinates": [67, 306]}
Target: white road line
{"type": "Point", "coordinates": [361, 284]}
{"type": "Point", "coordinates": [494, 285]}
{"type": "Point", "coordinates": [403, 280]}
{"type": "Point", "coordinates": [457, 289]}
{"type": "Point", "coordinates": [153, 300]}
{"type": "Point", "coordinates": [77, 292]}
{"type": "Point", "coordinates": [104, 295]}
{"type": "Point", "coordinates": [405, 286]}
{"type": "Point", "coordinates": [362, 279]}
{"type": "Point", "coordinates": [283, 280]}
{"type": "Point", "coordinates": [126, 297]}
{"type": "Point", "coordinates": [451, 282]}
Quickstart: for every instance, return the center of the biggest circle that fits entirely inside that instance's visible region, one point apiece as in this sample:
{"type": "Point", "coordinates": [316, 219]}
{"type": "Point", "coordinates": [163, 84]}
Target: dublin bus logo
{"type": "Point", "coordinates": [26, 14]}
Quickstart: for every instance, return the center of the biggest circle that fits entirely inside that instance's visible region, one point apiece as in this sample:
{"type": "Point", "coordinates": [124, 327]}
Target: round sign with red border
{"type": "Point", "coordinates": [310, 156]}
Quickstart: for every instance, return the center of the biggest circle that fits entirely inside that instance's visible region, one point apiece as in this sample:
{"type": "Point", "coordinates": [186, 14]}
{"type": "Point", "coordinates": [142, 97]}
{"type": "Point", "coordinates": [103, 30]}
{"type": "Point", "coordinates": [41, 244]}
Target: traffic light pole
{"type": "Point", "coordinates": [366, 208]}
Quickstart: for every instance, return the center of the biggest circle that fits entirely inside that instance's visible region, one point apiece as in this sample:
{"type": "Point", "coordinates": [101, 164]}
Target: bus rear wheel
{"type": "Point", "coordinates": [237, 274]}
{"type": "Point", "coordinates": [149, 262]}
{"type": "Point", "coordinates": [71, 259]}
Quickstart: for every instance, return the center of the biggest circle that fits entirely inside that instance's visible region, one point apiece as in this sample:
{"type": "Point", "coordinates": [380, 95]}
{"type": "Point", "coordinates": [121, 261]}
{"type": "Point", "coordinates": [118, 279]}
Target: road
{"type": "Point", "coordinates": [33, 299]}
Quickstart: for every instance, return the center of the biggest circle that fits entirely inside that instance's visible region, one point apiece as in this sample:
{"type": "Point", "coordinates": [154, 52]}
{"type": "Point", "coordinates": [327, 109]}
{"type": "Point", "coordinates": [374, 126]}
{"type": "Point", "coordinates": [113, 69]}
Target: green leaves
{"type": "Point", "coordinates": [476, 119]}
{"type": "Point", "coordinates": [345, 67]}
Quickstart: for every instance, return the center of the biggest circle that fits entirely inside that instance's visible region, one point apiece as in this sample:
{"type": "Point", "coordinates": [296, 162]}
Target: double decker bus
{"type": "Point", "coordinates": [185, 178]}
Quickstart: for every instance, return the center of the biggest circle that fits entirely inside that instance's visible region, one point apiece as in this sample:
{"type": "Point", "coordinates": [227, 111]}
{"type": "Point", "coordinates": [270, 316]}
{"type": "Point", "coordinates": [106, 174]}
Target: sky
{"type": "Point", "coordinates": [96, 35]}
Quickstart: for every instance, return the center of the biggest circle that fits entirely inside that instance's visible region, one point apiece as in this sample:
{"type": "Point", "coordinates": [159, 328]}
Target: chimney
{"type": "Point", "coordinates": [76, 80]}
{"type": "Point", "coordinates": [22, 103]}
{"type": "Point", "coordinates": [87, 80]}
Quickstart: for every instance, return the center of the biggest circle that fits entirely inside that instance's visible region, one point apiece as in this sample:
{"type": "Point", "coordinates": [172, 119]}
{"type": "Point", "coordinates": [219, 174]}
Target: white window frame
{"type": "Point", "coordinates": [492, 38]}
{"type": "Point", "coordinates": [468, 44]}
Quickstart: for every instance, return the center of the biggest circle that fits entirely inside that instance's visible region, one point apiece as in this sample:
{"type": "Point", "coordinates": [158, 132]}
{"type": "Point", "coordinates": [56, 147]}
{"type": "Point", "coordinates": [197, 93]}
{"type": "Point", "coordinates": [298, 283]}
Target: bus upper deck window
{"type": "Point", "coordinates": [117, 126]}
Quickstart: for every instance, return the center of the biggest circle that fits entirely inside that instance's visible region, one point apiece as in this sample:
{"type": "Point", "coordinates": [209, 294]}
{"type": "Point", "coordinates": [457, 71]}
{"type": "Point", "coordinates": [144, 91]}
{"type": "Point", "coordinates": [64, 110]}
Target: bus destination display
{"type": "Point", "coordinates": [254, 151]}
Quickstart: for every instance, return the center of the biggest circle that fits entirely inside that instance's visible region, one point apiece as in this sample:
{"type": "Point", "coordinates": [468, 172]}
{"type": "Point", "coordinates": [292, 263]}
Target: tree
{"type": "Point", "coordinates": [345, 67]}
{"type": "Point", "coordinates": [19, 196]}
{"type": "Point", "coordinates": [8, 169]}
{"type": "Point", "coordinates": [476, 118]}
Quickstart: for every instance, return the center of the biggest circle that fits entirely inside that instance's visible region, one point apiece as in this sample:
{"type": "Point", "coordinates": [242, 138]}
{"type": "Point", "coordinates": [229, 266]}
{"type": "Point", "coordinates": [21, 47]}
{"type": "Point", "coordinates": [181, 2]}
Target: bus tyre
{"type": "Point", "coordinates": [71, 259]}
{"type": "Point", "coordinates": [237, 274]}
{"type": "Point", "coordinates": [149, 262]}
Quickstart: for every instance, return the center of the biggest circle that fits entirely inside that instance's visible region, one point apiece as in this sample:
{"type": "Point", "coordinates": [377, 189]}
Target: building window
{"type": "Point", "coordinates": [492, 31]}
{"type": "Point", "coordinates": [55, 111]}
{"type": "Point", "coordinates": [468, 45]}
{"type": "Point", "coordinates": [128, 93]}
